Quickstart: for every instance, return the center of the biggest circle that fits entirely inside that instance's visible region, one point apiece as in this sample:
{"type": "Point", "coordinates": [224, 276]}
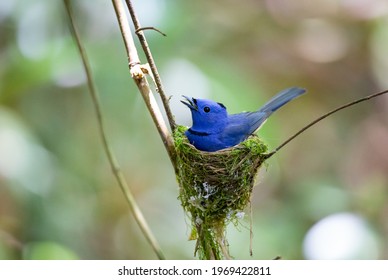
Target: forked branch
{"type": "Point", "coordinates": [138, 74]}
{"type": "Point", "coordinates": [151, 62]}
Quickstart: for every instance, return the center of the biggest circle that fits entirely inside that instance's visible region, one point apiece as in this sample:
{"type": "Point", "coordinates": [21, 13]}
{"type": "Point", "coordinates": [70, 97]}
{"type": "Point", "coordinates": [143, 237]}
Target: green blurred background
{"type": "Point", "coordinates": [324, 196]}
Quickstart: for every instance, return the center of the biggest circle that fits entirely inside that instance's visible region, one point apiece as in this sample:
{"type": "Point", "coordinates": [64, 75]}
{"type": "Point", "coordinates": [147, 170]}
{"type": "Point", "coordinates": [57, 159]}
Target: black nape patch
{"type": "Point", "coordinates": [222, 105]}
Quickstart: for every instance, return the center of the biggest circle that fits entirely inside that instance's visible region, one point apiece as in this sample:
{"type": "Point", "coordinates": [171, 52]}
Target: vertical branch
{"type": "Point", "coordinates": [133, 57]}
{"type": "Point", "coordinates": [112, 159]}
{"type": "Point", "coordinates": [141, 81]}
{"type": "Point", "coordinates": [151, 62]}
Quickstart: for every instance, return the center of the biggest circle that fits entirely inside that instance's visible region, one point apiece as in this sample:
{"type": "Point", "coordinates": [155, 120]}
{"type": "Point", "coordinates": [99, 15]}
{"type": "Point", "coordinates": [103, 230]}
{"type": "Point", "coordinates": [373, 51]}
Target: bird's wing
{"type": "Point", "coordinates": [233, 134]}
{"type": "Point", "coordinates": [249, 122]}
{"type": "Point", "coordinates": [239, 126]}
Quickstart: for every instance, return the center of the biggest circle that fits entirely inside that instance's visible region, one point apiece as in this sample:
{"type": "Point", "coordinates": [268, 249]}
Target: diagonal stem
{"type": "Point", "coordinates": [111, 157]}
{"type": "Point", "coordinates": [324, 117]}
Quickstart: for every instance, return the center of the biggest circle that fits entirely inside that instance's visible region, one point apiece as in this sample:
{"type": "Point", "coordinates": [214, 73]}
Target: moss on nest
{"type": "Point", "coordinates": [215, 188]}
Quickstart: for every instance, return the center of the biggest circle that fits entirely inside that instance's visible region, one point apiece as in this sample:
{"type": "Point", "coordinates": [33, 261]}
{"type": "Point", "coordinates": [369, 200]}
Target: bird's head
{"type": "Point", "coordinates": [207, 115]}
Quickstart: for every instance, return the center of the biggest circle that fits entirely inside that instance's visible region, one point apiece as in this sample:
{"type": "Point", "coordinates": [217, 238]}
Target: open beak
{"type": "Point", "coordinates": [190, 102]}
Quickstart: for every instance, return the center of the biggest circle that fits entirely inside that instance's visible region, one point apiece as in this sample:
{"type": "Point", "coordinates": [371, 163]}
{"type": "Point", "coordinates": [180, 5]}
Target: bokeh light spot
{"type": "Point", "coordinates": [341, 236]}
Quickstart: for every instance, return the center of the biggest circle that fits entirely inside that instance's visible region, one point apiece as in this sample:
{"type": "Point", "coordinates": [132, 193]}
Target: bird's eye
{"type": "Point", "coordinates": [206, 109]}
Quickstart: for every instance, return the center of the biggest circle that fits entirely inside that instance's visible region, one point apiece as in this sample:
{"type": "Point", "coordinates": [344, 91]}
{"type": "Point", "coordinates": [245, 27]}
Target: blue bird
{"type": "Point", "coordinates": [214, 129]}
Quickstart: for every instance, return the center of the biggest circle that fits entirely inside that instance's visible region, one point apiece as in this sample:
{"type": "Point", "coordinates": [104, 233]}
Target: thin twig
{"type": "Point", "coordinates": [150, 28]}
{"type": "Point", "coordinates": [112, 159]}
{"type": "Point", "coordinates": [137, 72]}
{"type": "Point", "coordinates": [152, 64]}
{"type": "Point", "coordinates": [324, 117]}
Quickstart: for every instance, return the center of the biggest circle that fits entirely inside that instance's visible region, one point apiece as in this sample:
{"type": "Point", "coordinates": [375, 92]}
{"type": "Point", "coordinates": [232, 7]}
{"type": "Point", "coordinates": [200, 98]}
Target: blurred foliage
{"type": "Point", "coordinates": [58, 197]}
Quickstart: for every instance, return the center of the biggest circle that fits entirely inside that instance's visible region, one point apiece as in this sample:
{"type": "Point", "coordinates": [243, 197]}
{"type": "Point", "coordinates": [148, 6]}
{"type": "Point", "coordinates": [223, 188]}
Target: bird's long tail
{"type": "Point", "coordinates": [281, 99]}
{"type": "Point", "coordinates": [258, 118]}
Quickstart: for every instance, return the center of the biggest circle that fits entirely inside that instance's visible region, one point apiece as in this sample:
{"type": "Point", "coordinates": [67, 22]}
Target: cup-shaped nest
{"type": "Point", "coordinates": [215, 187]}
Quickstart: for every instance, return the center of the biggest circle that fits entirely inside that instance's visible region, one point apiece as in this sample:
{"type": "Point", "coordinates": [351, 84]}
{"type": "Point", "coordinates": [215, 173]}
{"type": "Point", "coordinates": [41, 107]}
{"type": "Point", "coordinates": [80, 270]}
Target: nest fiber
{"type": "Point", "coordinates": [215, 188]}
